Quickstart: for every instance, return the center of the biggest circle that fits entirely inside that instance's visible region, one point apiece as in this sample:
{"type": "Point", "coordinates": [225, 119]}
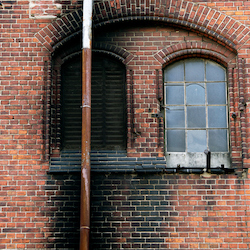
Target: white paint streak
{"type": "Point", "coordinates": [197, 159]}
{"type": "Point", "coordinates": [87, 24]}
{"type": "Point", "coordinates": [86, 182]}
{"type": "Point", "coordinates": [85, 106]}
{"type": "Point", "coordinates": [38, 5]}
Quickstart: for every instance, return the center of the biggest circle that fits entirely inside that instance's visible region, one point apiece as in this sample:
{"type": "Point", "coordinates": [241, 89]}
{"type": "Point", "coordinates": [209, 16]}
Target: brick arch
{"type": "Point", "coordinates": [204, 19]}
{"type": "Point", "coordinates": [117, 52]}
{"type": "Point", "coordinates": [215, 24]}
{"type": "Point", "coordinates": [61, 30]}
{"type": "Point", "coordinates": [204, 49]}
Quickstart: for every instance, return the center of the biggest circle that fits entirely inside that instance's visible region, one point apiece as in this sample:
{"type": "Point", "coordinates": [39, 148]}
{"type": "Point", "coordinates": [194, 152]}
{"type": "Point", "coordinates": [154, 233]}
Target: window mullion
{"type": "Point", "coordinates": [185, 107]}
{"type": "Point", "coordinates": [206, 102]}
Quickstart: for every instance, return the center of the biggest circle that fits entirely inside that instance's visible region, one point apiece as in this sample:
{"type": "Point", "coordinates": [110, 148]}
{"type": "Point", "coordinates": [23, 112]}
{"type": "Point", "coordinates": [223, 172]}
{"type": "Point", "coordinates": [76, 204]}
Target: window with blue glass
{"type": "Point", "coordinates": [196, 113]}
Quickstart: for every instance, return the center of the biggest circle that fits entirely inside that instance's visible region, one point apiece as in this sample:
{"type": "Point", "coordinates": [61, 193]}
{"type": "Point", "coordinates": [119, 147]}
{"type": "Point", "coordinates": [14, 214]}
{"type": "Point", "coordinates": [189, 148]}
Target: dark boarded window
{"type": "Point", "coordinates": [108, 104]}
{"type": "Point", "coordinates": [71, 104]}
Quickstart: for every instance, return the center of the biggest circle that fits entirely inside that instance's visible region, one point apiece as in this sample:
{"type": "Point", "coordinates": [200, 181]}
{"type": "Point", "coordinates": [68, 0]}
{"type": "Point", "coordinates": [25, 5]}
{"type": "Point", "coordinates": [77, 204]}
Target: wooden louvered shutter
{"type": "Point", "coordinates": [108, 111]}
{"type": "Point", "coordinates": [71, 104]}
{"type": "Point", "coordinates": [108, 105]}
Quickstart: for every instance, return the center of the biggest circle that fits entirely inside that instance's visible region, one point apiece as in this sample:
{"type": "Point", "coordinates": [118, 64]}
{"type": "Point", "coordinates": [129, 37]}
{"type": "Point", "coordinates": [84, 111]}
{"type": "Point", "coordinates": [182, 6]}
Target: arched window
{"type": "Point", "coordinates": [196, 113]}
{"type": "Point", "coordinates": [108, 104]}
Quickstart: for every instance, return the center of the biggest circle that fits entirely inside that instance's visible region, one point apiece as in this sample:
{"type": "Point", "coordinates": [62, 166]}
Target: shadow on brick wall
{"type": "Point", "coordinates": [64, 209]}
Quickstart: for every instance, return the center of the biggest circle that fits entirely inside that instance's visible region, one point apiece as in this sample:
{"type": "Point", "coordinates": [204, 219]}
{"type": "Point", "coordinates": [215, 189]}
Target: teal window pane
{"type": "Point", "coordinates": [216, 93]}
{"type": "Point", "coordinates": [196, 117]}
{"type": "Point", "coordinates": [196, 140]}
{"type": "Point", "coordinates": [195, 93]}
{"type": "Point", "coordinates": [214, 72]}
{"type": "Point", "coordinates": [175, 117]}
{"type": "Point", "coordinates": [175, 94]}
{"type": "Point", "coordinates": [194, 70]}
{"type": "Point", "coordinates": [176, 141]}
{"type": "Point", "coordinates": [174, 72]}
{"type": "Point", "coordinates": [217, 117]}
{"type": "Point", "coordinates": [217, 140]}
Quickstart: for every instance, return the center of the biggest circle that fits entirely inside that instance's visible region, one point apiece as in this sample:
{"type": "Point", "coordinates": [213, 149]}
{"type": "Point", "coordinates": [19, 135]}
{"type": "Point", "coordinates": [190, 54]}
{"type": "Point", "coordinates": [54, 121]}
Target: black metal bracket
{"type": "Point", "coordinates": [208, 154]}
{"type": "Point", "coordinates": [158, 115]}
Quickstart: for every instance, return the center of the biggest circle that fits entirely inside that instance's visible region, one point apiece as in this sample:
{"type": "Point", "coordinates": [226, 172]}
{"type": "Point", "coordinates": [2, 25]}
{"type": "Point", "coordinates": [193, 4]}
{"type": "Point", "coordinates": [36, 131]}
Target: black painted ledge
{"type": "Point", "coordinates": [118, 162]}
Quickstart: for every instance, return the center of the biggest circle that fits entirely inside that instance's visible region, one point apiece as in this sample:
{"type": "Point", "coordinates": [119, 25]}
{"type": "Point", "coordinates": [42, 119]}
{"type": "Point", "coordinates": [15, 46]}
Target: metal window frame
{"type": "Point", "coordinates": [185, 83]}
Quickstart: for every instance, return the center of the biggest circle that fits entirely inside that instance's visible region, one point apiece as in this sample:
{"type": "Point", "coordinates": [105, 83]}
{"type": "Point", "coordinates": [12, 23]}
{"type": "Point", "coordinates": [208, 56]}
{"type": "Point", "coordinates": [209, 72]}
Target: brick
{"type": "Point", "coordinates": [41, 210]}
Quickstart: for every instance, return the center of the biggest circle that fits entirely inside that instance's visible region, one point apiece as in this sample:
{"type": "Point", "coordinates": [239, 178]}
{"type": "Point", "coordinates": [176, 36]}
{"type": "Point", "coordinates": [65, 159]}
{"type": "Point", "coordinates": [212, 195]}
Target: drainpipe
{"type": "Point", "coordinates": [86, 126]}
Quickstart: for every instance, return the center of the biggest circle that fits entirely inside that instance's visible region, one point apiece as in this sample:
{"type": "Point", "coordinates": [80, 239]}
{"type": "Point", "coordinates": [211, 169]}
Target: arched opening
{"type": "Point", "coordinates": [196, 112]}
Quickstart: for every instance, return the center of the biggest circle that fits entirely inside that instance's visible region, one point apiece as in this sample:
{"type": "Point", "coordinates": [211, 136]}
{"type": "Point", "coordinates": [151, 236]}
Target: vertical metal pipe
{"type": "Point", "coordinates": [159, 118]}
{"type": "Point", "coordinates": [45, 111]}
{"type": "Point", "coordinates": [132, 108]}
{"type": "Point", "coordinates": [57, 91]}
{"type": "Point", "coordinates": [85, 163]}
{"type": "Point", "coordinates": [86, 126]}
{"type": "Point", "coordinates": [157, 84]}
{"type": "Point", "coordinates": [233, 100]}
{"type": "Point", "coordinates": [47, 108]}
{"type": "Point", "coordinates": [242, 109]}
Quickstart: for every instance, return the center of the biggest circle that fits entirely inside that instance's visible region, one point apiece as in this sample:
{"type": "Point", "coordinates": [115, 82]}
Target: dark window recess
{"type": "Point", "coordinates": [108, 105]}
{"type": "Point", "coordinates": [71, 104]}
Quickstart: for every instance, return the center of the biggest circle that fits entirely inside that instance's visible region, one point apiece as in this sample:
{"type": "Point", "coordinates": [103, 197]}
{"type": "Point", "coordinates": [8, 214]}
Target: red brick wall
{"type": "Point", "coordinates": [39, 210]}
{"type": "Point", "coordinates": [150, 211]}
{"type": "Point", "coordinates": [152, 48]}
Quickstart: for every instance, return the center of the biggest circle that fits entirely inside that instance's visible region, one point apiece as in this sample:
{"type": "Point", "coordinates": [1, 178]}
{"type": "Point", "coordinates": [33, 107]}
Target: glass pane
{"type": "Point", "coordinates": [216, 93]}
{"type": "Point", "coordinates": [217, 140]}
{"type": "Point", "coordinates": [176, 141]}
{"type": "Point", "coordinates": [217, 117]}
{"type": "Point", "coordinates": [175, 94]}
{"type": "Point", "coordinates": [214, 72]}
{"type": "Point", "coordinates": [174, 72]}
{"type": "Point", "coordinates": [195, 93]}
{"type": "Point", "coordinates": [196, 140]}
{"type": "Point", "coordinates": [175, 117]}
{"type": "Point", "coordinates": [196, 117]}
{"type": "Point", "coordinates": [194, 70]}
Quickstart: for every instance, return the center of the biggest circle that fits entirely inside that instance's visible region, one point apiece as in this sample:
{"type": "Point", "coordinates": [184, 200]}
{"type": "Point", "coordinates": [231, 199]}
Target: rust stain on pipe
{"type": "Point", "coordinates": [86, 137]}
